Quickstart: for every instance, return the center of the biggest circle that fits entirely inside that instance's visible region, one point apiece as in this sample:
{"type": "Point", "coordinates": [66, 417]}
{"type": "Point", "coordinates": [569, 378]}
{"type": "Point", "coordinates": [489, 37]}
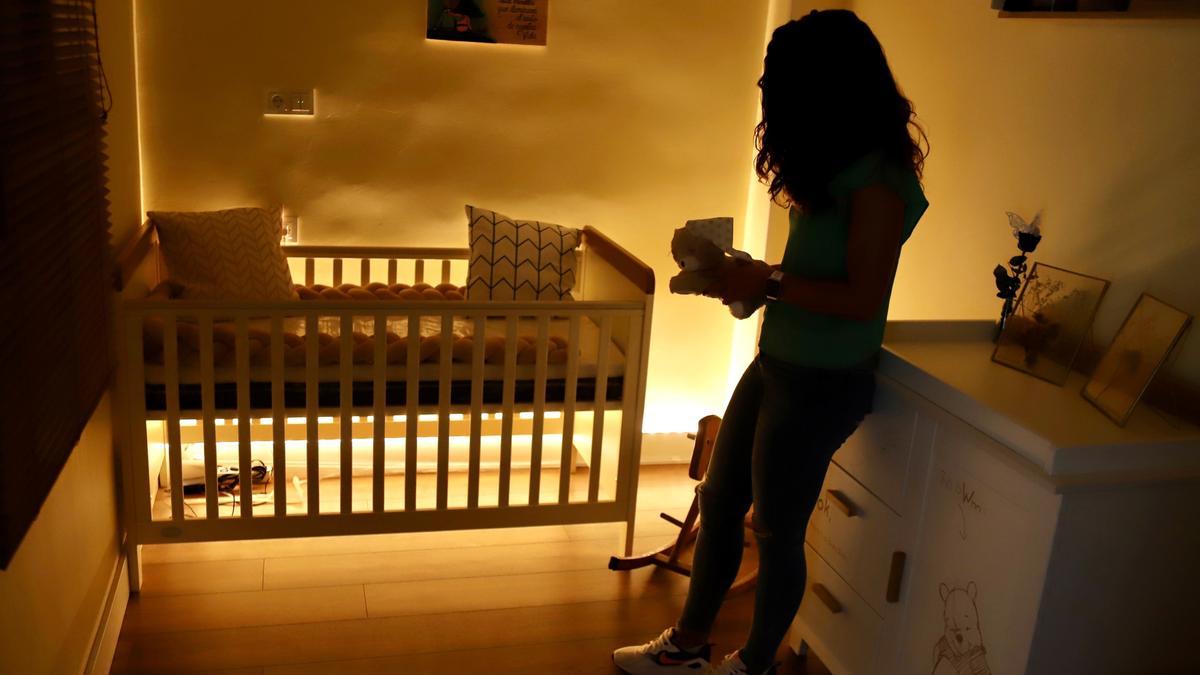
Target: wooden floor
{"type": "Point", "coordinates": [529, 600]}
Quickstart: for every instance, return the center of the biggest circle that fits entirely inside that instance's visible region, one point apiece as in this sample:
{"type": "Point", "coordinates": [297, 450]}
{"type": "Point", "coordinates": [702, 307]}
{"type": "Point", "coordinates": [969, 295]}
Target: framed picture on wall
{"type": "Point", "coordinates": [520, 22]}
{"type": "Point", "coordinates": [1061, 5]}
{"type": "Point", "coordinates": [1052, 317]}
{"type": "Point", "coordinates": [1141, 346]}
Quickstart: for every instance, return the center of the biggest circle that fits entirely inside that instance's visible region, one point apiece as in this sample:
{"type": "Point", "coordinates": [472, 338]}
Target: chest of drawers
{"type": "Point", "coordinates": [981, 521]}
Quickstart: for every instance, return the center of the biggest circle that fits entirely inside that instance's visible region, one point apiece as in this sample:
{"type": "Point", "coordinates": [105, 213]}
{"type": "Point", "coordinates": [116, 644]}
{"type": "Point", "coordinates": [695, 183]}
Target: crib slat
{"type": "Point", "coordinates": [627, 474]}
{"type": "Point", "coordinates": [598, 408]}
{"type": "Point", "coordinates": [418, 271]}
{"type": "Point", "coordinates": [310, 271]}
{"type": "Point", "coordinates": [539, 408]}
{"type": "Point", "coordinates": [174, 451]}
{"type": "Point", "coordinates": [208, 410]}
{"type": "Point", "coordinates": [346, 392]}
{"type": "Point", "coordinates": [337, 271]}
{"type": "Point", "coordinates": [242, 354]}
{"type": "Point", "coordinates": [278, 421]}
{"type": "Point", "coordinates": [477, 354]}
{"type": "Point", "coordinates": [506, 425]}
{"type": "Point", "coordinates": [312, 469]}
{"type": "Point", "coordinates": [445, 271]}
{"type": "Point", "coordinates": [379, 398]}
{"type": "Point", "coordinates": [391, 271]}
{"type": "Point", "coordinates": [134, 392]}
{"type": "Point", "coordinates": [568, 426]}
{"type": "Point", "coordinates": [412, 377]}
{"type": "Point", "coordinates": [446, 360]}
{"type": "Point", "coordinates": [364, 274]}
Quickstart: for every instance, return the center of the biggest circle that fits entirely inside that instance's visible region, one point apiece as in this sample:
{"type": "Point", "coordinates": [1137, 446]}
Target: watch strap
{"type": "Point", "coordinates": [774, 285]}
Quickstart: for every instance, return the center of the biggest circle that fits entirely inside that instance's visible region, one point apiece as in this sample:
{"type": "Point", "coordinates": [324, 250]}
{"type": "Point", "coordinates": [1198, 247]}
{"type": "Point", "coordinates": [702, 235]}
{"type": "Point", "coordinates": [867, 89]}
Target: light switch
{"type": "Point", "coordinates": [290, 102]}
{"type": "Point", "coordinates": [291, 229]}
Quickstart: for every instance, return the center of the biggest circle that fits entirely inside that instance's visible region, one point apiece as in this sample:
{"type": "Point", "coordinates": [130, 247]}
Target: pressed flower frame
{"type": "Point", "coordinates": [1050, 320]}
{"type": "Point", "coordinates": [1144, 341]}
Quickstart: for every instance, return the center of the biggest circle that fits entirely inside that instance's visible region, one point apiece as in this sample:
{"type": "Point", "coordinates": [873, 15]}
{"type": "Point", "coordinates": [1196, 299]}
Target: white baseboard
{"type": "Point", "coordinates": [672, 448]}
{"type": "Point", "coordinates": [108, 628]}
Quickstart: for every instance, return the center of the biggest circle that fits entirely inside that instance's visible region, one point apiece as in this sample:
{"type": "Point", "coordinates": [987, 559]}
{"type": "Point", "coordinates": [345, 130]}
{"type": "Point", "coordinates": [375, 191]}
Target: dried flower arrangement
{"type": "Point", "coordinates": [1008, 282]}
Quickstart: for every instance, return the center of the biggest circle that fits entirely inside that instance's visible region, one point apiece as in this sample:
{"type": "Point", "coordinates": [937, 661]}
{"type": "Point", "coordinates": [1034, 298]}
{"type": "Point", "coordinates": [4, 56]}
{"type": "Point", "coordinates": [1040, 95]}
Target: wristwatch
{"type": "Point", "coordinates": [774, 285]}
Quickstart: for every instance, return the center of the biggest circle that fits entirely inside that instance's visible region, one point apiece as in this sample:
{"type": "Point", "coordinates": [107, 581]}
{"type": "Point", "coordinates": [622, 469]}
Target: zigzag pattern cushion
{"type": "Point", "coordinates": [519, 259]}
{"type": "Point", "coordinates": [225, 255]}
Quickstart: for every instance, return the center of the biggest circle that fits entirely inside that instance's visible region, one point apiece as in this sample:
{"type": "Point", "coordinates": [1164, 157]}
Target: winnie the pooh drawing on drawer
{"type": "Point", "coordinates": [960, 650]}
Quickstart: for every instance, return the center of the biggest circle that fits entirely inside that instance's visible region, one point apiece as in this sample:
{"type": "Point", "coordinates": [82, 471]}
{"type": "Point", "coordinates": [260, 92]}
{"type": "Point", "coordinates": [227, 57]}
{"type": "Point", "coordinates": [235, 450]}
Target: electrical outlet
{"type": "Point", "coordinates": [290, 102]}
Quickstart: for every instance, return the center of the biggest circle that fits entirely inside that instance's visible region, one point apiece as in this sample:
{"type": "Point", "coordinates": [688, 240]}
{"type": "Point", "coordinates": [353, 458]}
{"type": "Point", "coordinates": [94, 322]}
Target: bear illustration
{"type": "Point", "coordinates": [960, 651]}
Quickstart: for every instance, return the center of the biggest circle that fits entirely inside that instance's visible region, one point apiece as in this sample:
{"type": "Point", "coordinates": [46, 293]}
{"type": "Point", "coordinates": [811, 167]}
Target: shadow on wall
{"type": "Point", "coordinates": [1152, 254]}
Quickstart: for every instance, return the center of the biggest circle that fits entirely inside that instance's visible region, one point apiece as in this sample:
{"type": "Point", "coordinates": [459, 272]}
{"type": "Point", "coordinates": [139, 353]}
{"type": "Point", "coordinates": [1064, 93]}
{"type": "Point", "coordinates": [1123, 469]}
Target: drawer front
{"type": "Point", "coordinates": [858, 536]}
{"type": "Point", "coordinates": [878, 453]}
{"type": "Point", "coordinates": [843, 629]}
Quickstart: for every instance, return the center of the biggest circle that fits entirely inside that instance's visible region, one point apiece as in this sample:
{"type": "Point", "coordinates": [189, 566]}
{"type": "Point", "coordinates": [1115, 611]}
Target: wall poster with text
{"type": "Point", "coordinates": [521, 22]}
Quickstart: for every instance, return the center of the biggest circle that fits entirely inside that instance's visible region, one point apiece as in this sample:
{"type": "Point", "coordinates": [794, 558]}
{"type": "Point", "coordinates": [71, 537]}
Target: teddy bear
{"type": "Point", "coordinates": [700, 260]}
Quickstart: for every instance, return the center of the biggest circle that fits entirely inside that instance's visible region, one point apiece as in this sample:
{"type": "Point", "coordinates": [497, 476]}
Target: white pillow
{"type": "Point", "coordinates": [225, 255]}
{"type": "Point", "coordinates": [519, 259]}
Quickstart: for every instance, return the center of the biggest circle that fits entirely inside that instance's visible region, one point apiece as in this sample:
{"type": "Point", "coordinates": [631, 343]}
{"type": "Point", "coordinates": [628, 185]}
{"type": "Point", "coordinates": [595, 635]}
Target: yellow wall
{"type": "Point", "coordinates": [1093, 120]}
{"type": "Point", "coordinates": [124, 174]}
{"type": "Point", "coordinates": [634, 118]}
{"type": "Point", "coordinates": [56, 586]}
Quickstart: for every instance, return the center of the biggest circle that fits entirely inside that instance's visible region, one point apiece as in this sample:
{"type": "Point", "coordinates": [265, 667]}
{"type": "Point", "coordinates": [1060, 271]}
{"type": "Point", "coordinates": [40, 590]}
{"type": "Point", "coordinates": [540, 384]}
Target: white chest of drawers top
{"type": "Point", "coordinates": [1053, 427]}
{"type": "Point", "coordinates": [983, 521]}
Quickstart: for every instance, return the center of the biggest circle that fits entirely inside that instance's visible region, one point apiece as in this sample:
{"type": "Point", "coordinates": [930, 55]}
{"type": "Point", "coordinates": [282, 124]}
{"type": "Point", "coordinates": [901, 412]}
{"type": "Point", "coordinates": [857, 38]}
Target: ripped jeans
{"type": "Point", "coordinates": [780, 430]}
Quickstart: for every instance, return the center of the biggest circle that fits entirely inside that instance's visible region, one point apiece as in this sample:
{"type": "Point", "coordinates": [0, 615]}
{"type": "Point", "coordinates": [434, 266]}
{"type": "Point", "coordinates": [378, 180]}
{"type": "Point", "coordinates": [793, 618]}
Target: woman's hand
{"type": "Point", "coordinates": [744, 281]}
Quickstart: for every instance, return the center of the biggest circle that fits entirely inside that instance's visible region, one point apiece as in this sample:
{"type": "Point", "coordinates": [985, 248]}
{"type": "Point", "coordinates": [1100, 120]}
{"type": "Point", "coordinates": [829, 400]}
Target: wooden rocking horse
{"type": "Point", "coordinates": [667, 557]}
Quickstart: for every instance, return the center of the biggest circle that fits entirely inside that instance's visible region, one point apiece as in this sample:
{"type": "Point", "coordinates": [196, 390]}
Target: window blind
{"type": "Point", "coordinates": [55, 350]}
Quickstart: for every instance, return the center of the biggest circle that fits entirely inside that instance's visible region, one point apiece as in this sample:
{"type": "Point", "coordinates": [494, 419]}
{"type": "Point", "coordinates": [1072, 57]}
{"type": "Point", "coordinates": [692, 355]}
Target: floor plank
{"type": "Point", "coordinates": [519, 590]}
{"type": "Point", "coordinates": [307, 546]}
{"type": "Point", "coordinates": [206, 611]}
{"type": "Point", "coordinates": [450, 563]}
{"type": "Point", "coordinates": [213, 576]}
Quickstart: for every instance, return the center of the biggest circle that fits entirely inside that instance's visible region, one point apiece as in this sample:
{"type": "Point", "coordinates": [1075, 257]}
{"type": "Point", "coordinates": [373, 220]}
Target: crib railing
{"type": "Point", "coordinates": [369, 259]}
{"type": "Point", "coordinates": [409, 412]}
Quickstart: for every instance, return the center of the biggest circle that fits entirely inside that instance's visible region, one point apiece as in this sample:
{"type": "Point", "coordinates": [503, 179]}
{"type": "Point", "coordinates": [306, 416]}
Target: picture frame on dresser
{"type": "Point", "coordinates": [1049, 323]}
{"type": "Point", "coordinates": [1145, 339]}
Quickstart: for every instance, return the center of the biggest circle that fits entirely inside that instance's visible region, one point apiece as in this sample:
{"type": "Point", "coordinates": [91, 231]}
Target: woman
{"type": "Point", "coordinates": [838, 142]}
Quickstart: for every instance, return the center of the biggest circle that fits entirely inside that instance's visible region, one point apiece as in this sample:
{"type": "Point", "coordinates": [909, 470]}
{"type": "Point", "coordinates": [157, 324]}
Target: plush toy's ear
{"type": "Point", "coordinates": [679, 241]}
{"type": "Point", "coordinates": [972, 589]}
{"type": "Point", "coordinates": [944, 591]}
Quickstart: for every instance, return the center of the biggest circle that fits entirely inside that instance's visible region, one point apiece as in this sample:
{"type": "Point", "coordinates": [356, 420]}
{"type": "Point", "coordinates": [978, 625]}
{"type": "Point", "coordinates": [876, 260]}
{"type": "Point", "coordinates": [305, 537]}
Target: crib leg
{"type": "Point", "coordinates": [629, 523]}
{"type": "Point", "coordinates": [133, 558]}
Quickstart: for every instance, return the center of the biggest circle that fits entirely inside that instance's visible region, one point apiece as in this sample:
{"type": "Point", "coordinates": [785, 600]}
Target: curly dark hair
{"type": "Point", "coordinates": [828, 98]}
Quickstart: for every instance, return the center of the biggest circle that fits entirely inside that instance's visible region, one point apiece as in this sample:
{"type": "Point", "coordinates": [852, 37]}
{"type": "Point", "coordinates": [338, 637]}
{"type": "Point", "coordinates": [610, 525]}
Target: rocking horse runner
{"type": "Point", "coordinates": [668, 556]}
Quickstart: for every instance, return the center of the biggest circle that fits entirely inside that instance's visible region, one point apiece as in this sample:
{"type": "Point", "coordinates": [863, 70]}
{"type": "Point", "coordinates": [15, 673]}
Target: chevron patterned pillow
{"type": "Point", "coordinates": [225, 255]}
{"type": "Point", "coordinates": [519, 259]}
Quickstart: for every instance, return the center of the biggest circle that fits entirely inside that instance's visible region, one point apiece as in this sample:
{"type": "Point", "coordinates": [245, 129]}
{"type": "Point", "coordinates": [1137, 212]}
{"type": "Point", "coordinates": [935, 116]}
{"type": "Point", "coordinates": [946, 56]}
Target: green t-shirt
{"type": "Point", "coordinates": [816, 249]}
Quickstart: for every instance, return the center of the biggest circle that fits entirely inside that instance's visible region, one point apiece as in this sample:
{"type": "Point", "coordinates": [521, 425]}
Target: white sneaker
{"type": "Point", "coordinates": [733, 665]}
{"type": "Point", "coordinates": [660, 655]}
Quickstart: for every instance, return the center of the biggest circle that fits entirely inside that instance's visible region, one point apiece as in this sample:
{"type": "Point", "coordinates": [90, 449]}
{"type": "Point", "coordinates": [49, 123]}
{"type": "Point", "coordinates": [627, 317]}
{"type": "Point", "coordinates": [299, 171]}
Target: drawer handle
{"type": "Point", "coordinates": [831, 603]}
{"type": "Point", "coordinates": [895, 576]}
{"type": "Point", "coordinates": [842, 503]}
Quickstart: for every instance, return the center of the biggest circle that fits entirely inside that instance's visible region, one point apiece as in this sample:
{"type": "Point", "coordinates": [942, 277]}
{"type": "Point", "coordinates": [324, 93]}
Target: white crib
{"type": "Point", "coordinates": [407, 443]}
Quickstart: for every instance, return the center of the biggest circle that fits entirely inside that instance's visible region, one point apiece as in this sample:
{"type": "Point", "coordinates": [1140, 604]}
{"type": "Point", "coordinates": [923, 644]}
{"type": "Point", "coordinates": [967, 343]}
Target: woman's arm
{"type": "Point", "coordinates": [873, 249]}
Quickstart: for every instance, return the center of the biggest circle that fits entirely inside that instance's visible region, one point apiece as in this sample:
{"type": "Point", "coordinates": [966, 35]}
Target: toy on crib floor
{"type": "Point", "coordinates": [699, 248]}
